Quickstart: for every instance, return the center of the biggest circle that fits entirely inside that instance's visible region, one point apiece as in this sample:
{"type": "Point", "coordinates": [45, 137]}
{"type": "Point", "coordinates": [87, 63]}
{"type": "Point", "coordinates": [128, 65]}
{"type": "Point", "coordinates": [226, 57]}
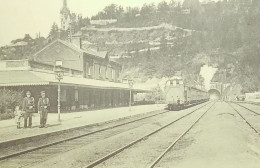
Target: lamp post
{"type": "Point", "coordinates": [131, 84]}
{"type": "Point", "coordinates": [59, 76]}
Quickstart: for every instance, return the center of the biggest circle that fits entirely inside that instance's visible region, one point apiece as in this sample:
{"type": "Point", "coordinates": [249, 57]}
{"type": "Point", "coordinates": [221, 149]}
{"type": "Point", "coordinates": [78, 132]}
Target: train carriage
{"type": "Point", "coordinates": [179, 96]}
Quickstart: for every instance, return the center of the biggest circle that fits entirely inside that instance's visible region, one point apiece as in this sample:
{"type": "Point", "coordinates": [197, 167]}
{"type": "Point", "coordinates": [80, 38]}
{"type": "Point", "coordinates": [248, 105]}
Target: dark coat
{"type": "Point", "coordinates": [44, 104]}
{"type": "Point", "coordinates": [28, 105]}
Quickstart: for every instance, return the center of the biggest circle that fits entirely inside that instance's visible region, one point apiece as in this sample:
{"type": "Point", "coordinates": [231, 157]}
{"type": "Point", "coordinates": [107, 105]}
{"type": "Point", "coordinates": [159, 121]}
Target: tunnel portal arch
{"type": "Point", "coordinates": [214, 94]}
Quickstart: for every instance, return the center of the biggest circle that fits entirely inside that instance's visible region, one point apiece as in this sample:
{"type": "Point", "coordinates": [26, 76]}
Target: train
{"type": "Point", "coordinates": [179, 96]}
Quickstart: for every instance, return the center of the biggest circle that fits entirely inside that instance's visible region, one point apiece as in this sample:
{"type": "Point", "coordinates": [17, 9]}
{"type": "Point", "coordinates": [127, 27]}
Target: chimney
{"type": "Point", "coordinates": [77, 41]}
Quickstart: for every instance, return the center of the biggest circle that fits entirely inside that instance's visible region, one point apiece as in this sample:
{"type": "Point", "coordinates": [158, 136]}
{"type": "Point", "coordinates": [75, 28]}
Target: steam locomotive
{"type": "Point", "coordinates": [179, 96]}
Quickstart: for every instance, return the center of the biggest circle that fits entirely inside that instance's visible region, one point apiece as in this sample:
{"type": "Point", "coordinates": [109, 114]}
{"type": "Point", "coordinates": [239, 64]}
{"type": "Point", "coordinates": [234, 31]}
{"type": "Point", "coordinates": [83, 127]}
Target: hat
{"type": "Point", "coordinates": [42, 92]}
{"type": "Point", "coordinates": [28, 92]}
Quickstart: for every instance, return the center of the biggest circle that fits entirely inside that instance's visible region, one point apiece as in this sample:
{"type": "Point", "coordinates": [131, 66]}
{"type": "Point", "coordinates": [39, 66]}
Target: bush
{"type": "Point", "coordinates": [5, 116]}
{"type": "Point", "coordinates": [8, 100]}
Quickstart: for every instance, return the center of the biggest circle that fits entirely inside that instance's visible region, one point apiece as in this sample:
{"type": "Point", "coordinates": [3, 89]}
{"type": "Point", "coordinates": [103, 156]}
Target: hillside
{"type": "Point", "coordinates": [126, 41]}
{"type": "Point", "coordinates": [223, 34]}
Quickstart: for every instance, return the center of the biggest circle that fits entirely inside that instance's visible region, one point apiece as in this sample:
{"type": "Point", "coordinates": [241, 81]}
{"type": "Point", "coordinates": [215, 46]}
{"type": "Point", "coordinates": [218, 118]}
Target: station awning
{"type": "Point", "coordinates": [33, 78]}
{"type": "Point", "coordinates": [20, 78]}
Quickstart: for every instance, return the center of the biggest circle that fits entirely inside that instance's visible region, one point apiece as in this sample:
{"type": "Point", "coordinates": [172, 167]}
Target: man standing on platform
{"type": "Point", "coordinates": [43, 109]}
{"type": "Point", "coordinates": [28, 107]}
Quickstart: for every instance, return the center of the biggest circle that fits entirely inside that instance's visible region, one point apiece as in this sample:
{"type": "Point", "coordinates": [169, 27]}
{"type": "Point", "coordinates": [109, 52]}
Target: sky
{"type": "Point", "coordinates": [20, 17]}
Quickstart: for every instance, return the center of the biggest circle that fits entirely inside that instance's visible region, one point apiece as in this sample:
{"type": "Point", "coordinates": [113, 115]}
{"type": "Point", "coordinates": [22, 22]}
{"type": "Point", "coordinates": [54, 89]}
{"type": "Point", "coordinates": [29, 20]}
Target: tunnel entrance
{"type": "Point", "coordinates": [214, 94]}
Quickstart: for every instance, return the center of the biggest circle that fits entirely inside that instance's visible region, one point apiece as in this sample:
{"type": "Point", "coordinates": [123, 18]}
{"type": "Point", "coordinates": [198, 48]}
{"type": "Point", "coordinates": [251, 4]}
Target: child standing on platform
{"type": "Point", "coordinates": [18, 116]}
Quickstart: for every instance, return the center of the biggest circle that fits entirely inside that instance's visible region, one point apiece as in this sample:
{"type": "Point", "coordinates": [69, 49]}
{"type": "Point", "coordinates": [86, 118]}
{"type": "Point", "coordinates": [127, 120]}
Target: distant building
{"type": "Point", "coordinates": [65, 16]}
{"type": "Point", "coordinates": [186, 11]}
{"type": "Point", "coordinates": [18, 44]}
{"type": "Point", "coordinates": [103, 22]}
{"type": "Point", "coordinates": [252, 97]}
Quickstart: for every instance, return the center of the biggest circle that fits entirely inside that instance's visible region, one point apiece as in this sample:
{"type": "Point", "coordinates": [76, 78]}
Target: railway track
{"type": "Point", "coordinates": [157, 160]}
{"type": "Point", "coordinates": [117, 151]}
{"type": "Point", "coordinates": [247, 108]}
{"type": "Point", "coordinates": [42, 153]}
{"type": "Point", "coordinates": [244, 118]}
{"type": "Point", "coordinates": [245, 102]}
{"type": "Point", "coordinates": [10, 156]}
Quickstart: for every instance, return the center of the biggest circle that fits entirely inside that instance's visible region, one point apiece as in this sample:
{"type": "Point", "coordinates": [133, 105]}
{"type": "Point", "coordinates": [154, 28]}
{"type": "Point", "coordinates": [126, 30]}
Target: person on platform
{"type": "Point", "coordinates": [28, 107]}
{"type": "Point", "coordinates": [43, 109]}
{"type": "Point", "coordinates": [178, 100]}
{"type": "Point", "coordinates": [18, 116]}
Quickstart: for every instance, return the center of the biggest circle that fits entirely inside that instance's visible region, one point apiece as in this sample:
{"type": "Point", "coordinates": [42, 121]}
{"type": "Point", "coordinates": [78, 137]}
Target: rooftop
{"type": "Point", "coordinates": [22, 73]}
{"type": "Point", "coordinates": [99, 54]}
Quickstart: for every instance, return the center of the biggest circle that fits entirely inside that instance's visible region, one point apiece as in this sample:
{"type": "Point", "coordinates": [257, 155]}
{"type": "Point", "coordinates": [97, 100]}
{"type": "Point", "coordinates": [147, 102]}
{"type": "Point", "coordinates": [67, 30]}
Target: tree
{"type": "Point", "coordinates": [119, 12]}
{"type": "Point", "coordinates": [163, 7]}
{"type": "Point", "coordinates": [9, 99]}
{"type": "Point", "coordinates": [193, 5]}
{"type": "Point", "coordinates": [172, 4]}
{"type": "Point", "coordinates": [131, 13]}
{"type": "Point", "coordinates": [148, 10]}
{"type": "Point", "coordinates": [80, 23]}
{"type": "Point", "coordinates": [111, 11]}
{"type": "Point", "coordinates": [54, 32]}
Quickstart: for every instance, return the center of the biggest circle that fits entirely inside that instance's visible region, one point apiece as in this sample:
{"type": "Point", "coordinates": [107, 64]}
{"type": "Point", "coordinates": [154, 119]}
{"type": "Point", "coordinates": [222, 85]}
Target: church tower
{"type": "Point", "coordinates": [65, 16]}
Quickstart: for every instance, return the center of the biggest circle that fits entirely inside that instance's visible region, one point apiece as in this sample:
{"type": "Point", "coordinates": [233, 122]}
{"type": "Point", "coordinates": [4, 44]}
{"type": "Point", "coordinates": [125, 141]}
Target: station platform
{"type": "Point", "coordinates": [10, 133]}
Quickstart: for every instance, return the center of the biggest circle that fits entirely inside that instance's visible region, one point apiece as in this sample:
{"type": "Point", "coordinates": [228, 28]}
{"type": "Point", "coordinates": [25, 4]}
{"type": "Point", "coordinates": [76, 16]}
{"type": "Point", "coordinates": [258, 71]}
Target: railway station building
{"type": "Point", "coordinates": [91, 79]}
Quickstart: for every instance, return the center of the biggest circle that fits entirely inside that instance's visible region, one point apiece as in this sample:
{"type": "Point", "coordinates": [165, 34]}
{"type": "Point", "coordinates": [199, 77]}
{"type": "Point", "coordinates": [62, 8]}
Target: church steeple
{"type": "Point", "coordinates": [65, 16]}
{"type": "Point", "coordinates": [65, 9]}
{"type": "Point", "coordinates": [64, 3]}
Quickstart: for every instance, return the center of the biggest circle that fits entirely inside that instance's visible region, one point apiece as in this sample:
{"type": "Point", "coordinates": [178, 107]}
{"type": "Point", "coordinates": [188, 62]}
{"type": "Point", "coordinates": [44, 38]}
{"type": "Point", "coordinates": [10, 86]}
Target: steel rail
{"type": "Point", "coordinates": [108, 156]}
{"type": "Point", "coordinates": [246, 102]}
{"type": "Point", "coordinates": [79, 136]}
{"type": "Point", "coordinates": [250, 125]}
{"type": "Point", "coordinates": [247, 108]}
{"type": "Point", "coordinates": [183, 134]}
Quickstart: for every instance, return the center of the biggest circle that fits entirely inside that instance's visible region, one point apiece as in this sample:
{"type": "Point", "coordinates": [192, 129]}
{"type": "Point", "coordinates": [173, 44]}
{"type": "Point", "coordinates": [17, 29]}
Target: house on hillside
{"type": "Point", "coordinates": [103, 22]}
